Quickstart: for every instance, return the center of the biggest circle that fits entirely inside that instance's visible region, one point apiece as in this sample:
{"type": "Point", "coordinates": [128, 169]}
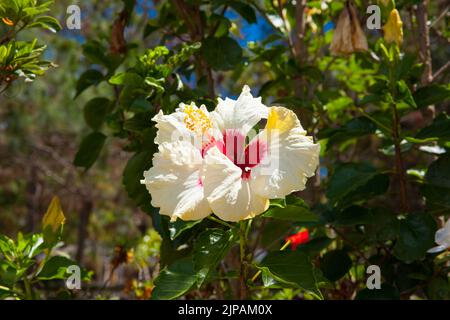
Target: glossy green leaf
{"type": "Point", "coordinates": [56, 268]}
{"type": "Point", "coordinates": [95, 112]}
{"type": "Point", "coordinates": [87, 79]}
{"type": "Point", "coordinates": [348, 178]}
{"type": "Point", "coordinates": [439, 129]}
{"type": "Point", "coordinates": [134, 173]}
{"type": "Point", "coordinates": [354, 215]}
{"type": "Point", "coordinates": [245, 10]}
{"type": "Point", "coordinates": [297, 210]}
{"type": "Point", "coordinates": [335, 264]}
{"type": "Point", "coordinates": [438, 173]}
{"type": "Point", "coordinates": [431, 95]}
{"type": "Point", "coordinates": [416, 236]}
{"type": "Point", "coordinates": [89, 150]}
{"type": "Point", "coordinates": [293, 268]}
{"type": "Point", "coordinates": [175, 280]}
{"type": "Point", "coordinates": [178, 227]}
{"type": "Point", "coordinates": [210, 248]}
{"type": "Point", "coordinates": [46, 22]}
{"type": "Point", "coordinates": [405, 95]}
{"type": "Point", "coordinates": [222, 53]}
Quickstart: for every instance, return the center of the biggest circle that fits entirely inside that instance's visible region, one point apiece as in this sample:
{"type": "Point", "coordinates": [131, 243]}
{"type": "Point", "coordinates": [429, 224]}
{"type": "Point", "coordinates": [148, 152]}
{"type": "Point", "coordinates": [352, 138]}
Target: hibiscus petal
{"type": "Point", "coordinates": [436, 249]}
{"type": "Point", "coordinates": [242, 114]}
{"type": "Point", "coordinates": [175, 182]}
{"type": "Point", "coordinates": [231, 198]}
{"type": "Point", "coordinates": [292, 157]}
{"type": "Point", "coordinates": [442, 236]}
{"type": "Point", "coordinates": [194, 127]}
{"type": "Point", "coordinates": [168, 125]}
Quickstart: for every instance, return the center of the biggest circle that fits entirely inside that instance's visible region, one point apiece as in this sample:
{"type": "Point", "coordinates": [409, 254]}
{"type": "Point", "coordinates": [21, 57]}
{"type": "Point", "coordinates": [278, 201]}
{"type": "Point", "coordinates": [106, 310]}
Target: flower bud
{"type": "Point", "coordinates": [298, 238]}
{"type": "Point", "coordinates": [393, 31]}
{"type": "Point", "coordinates": [54, 217]}
{"type": "Point", "coordinates": [348, 36]}
{"type": "Point", "coordinates": [8, 21]}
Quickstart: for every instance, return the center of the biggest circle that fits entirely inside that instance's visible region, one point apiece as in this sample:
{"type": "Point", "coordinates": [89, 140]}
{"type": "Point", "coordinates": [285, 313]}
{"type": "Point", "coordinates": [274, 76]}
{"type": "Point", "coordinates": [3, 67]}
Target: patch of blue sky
{"type": "Point", "coordinates": [145, 5]}
{"type": "Point", "coordinates": [257, 31]}
{"type": "Point", "coordinates": [328, 26]}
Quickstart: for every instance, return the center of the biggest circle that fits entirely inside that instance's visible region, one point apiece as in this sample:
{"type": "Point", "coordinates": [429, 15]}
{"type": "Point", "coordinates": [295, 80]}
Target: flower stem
{"type": "Point", "coordinates": [399, 164]}
{"type": "Point", "coordinates": [28, 290]}
{"type": "Point", "coordinates": [243, 271]}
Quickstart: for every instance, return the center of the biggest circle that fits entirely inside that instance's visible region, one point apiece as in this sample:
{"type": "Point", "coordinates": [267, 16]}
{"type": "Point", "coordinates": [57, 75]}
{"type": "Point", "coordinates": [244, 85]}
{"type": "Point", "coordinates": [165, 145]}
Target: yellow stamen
{"type": "Point", "coordinates": [196, 120]}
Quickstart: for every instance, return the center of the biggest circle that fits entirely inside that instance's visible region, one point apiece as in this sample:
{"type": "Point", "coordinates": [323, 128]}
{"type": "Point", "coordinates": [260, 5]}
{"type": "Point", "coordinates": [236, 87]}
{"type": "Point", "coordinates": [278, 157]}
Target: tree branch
{"type": "Point", "coordinates": [191, 15]}
{"type": "Point", "coordinates": [424, 41]}
{"type": "Point", "coordinates": [441, 71]}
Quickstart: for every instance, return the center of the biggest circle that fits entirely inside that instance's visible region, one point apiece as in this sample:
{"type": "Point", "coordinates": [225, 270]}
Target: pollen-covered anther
{"type": "Point", "coordinates": [196, 120]}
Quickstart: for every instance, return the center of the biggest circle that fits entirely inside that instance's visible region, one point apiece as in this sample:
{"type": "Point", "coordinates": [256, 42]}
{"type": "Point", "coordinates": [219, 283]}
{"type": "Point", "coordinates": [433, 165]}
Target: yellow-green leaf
{"type": "Point", "coordinates": [54, 217]}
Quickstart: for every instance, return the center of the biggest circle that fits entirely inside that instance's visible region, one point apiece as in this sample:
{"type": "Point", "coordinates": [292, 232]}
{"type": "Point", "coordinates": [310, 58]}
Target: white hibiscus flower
{"type": "Point", "coordinates": [442, 238]}
{"type": "Point", "coordinates": [231, 171]}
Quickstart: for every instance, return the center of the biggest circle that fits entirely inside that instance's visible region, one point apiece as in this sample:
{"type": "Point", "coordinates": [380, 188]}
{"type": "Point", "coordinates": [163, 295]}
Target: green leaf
{"type": "Point", "coordinates": [175, 280]}
{"type": "Point", "coordinates": [436, 196]}
{"type": "Point", "coordinates": [438, 173]}
{"type": "Point", "coordinates": [348, 178]}
{"type": "Point", "coordinates": [209, 249]}
{"type": "Point", "coordinates": [416, 236]}
{"type": "Point", "coordinates": [222, 53]}
{"type": "Point", "coordinates": [150, 27]}
{"type": "Point", "coordinates": [335, 107]}
{"type": "Point", "coordinates": [87, 79]}
{"type": "Point", "coordinates": [294, 102]}
{"type": "Point", "coordinates": [95, 112]}
{"type": "Point", "coordinates": [134, 173]}
{"type": "Point", "coordinates": [353, 215]}
{"type": "Point", "coordinates": [431, 95]}
{"type": "Point", "coordinates": [335, 264]}
{"type": "Point", "coordinates": [439, 289]}
{"type": "Point", "coordinates": [56, 268]}
{"type": "Point", "coordinates": [383, 226]}
{"type": "Point", "coordinates": [354, 128]}
{"type": "Point", "coordinates": [126, 78]}
{"type": "Point", "coordinates": [46, 22]}
{"type": "Point", "coordinates": [90, 149]}
{"type": "Point", "coordinates": [245, 10]}
{"type": "Point", "coordinates": [379, 184]}
{"type": "Point", "coordinates": [437, 183]}
{"type": "Point", "coordinates": [439, 129]}
{"type": "Point", "coordinates": [293, 268]}
{"type": "Point", "coordinates": [387, 292]}
{"type": "Point", "coordinates": [314, 246]}
{"type": "Point", "coordinates": [8, 275]}
{"type": "Point", "coordinates": [139, 122]}
{"type": "Point", "coordinates": [297, 211]}
{"type": "Point", "coordinates": [178, 227]}
{"type": "Point", "coordinates": [405, 94]}
{"type": "Point", "coordinates": [223, 25]}
{"type": "Point", "coordinates": [96, 53]}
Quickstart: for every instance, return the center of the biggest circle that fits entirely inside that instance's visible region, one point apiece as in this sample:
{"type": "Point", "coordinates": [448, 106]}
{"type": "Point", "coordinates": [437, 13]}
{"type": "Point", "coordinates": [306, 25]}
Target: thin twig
{"type": "Point", "coordinates": [441, 71]}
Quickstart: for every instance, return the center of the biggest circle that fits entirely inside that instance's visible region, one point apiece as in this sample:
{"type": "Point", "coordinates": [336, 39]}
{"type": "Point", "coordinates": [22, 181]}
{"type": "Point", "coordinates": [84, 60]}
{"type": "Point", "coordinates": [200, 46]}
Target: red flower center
{"type": "Point", "coordinates": [244, 155]}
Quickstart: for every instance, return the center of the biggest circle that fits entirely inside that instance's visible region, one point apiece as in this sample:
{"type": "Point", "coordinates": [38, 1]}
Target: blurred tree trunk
{"type": "Point", "coordinates": [33, 191]}
{"type": "Point", "coordinates": [191, 15]}
{"type": "Point", "coordinates": [85, 214]}
{"type": "Point", "coordinates": [424, 41]}
{"type": "Point", "coordinates": [425, 54]}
